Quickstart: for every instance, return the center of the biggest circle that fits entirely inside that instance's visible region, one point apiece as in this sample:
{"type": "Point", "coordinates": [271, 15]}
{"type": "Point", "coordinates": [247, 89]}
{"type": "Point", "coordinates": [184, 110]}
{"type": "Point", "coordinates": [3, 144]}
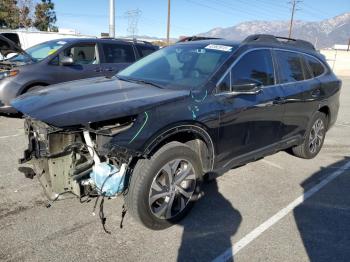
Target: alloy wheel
{"type": "Point", "coordinates": [316, 136]}
{"type": "Point", "coordinates": [172, 188]}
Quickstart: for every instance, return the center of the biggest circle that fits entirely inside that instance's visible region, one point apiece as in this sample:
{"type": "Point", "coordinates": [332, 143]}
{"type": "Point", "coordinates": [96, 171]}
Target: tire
{"type": "Point", "coordinates": [150, 179]}
{"type": "Point", "coordinates": [306, 149]}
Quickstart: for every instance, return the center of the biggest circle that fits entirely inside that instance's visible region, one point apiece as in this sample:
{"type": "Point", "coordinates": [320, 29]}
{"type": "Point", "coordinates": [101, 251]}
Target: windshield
{"type": "Point", "coordinates": [179, 66]}
{"type": "Point", "coordinates": [39, 52]}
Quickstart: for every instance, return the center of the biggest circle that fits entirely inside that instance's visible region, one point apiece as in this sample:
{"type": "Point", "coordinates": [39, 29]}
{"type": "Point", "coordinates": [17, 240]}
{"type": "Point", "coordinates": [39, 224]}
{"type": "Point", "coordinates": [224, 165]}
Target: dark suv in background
{"type": "Point", "coordinates": [196, 107]}
{"type": "Point", "coordinates": [63, 60]}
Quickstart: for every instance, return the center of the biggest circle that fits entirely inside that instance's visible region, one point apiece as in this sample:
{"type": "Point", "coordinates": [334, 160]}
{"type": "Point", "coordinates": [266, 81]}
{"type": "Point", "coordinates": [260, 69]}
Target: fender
{"type": "Point", "coordinates": [180, 129]}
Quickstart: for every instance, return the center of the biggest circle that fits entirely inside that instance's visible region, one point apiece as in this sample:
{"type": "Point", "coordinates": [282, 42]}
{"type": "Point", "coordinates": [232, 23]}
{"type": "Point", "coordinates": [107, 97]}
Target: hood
{"type": "Point", "coordinates": [8, 47]}
{"type": "Point", "coordinates": [92, 100]}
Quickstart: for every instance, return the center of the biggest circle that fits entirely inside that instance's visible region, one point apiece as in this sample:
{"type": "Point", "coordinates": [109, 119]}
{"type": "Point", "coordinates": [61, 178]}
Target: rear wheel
{"type": "Point", "coordinates": [314, 139]}
{"type": "Point", "coordinates": [163, 189]}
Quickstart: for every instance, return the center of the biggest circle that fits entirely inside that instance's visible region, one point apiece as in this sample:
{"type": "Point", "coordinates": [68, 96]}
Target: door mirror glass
{"type": "Point", "coordinates": [247, 86]}
{"type": "Point", "coordinates": [67, 61]}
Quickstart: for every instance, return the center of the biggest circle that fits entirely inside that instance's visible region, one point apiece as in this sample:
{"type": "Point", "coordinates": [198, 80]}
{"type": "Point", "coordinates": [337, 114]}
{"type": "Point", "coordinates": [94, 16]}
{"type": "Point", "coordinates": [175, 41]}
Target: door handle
{"type": "Point", "coordinates": [98, 70]}
{"type": "Point", "coordinates": [279, 100]}
{"type": "Point", "coordinates": [110, 69]}
{"type": "Point", "coordinates": [316, 93]}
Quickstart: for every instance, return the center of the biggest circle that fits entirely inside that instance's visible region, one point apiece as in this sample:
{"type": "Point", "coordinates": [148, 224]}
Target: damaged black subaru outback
{"type": "Point", "coordinates": [152, 131]}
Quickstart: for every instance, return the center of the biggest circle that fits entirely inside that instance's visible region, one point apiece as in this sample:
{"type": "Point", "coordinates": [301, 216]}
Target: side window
{"type": "Point", "coordinates": [306, 68]}
{"type": "Point", "coordinates": [290, 66]}
{"type": "Point", "coordinates": [315, 66]}
{"type": "Point", "coordinates": [118, 53]}
{"type": "Point", "coordinates": [145, 50]}
{"type": "Point", "coordinates": [84, 54]}
{"type": "Point", "coordinates": [225, 85]}
{"type": "Point", "coordinates": [256, 65]}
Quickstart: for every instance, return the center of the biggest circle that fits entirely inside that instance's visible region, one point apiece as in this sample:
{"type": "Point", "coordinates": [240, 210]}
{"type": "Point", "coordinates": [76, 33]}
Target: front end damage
{"type": "Point", "coordinates": [79, 160]}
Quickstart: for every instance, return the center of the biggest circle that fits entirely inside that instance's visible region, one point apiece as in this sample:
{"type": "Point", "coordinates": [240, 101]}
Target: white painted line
{"type": "Point", "coordinates": [2, 137]}
{"type": "Point", "coordinates": [272, 164]}
{"type": "Point", "coordinates": [343, 125]}
{"type": "Point", "coordinates": [246, 240]}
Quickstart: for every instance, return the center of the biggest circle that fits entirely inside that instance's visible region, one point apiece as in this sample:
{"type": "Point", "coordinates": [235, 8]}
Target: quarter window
{"type": "Point", "coordinates": [256, 65]}
{"type": "Point", "coordinates": [116, 53]}
{"type": "Point", "coordinates": [290, 66]}
{"type": "Point", "coordinates": [315, 66]}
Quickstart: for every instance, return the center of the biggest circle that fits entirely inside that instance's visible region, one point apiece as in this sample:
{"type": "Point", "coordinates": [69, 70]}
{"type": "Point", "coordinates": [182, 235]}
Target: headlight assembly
{"type": "Point", "coordinates": [8, 74]}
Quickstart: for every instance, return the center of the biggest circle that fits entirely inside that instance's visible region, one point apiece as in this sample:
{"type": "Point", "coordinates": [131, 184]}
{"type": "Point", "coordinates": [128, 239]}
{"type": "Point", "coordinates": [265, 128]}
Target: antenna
{"type": "Point", "coordinates": [133, 17]}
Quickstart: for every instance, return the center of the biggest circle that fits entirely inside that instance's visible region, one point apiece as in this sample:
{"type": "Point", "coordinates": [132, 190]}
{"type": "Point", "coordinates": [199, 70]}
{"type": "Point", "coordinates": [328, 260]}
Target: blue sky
{"type": "Point", "coordinates": [189, 17]}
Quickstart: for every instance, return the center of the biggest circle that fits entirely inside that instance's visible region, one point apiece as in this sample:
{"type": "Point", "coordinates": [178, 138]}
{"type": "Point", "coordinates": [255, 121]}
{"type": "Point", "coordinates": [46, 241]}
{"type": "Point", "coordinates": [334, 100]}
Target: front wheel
{"type": "Point", "coordinates": [314, 139]}
{"type": "Point", "coordinates": [163, 189]}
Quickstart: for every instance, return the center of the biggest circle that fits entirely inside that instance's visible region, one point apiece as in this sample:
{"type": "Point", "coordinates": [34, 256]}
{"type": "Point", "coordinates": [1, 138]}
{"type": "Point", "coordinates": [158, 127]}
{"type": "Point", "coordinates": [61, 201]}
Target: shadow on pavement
{"type": "Point", "coordinates": [323, 220]}
{"type": "Point", "coordinates": [209, 226]}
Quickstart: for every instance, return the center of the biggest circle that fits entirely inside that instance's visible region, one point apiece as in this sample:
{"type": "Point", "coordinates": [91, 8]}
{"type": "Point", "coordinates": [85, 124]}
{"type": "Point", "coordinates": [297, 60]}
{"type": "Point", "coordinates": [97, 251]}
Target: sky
{"type": "Point", "coordinates": [188, 17]}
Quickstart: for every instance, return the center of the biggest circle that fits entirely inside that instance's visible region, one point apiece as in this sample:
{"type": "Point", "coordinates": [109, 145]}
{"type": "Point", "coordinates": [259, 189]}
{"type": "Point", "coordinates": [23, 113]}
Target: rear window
{"type": "Point", "coordinates": [118, 53]}
{"type": "Point", "coordinates": [315, 66]}
{"type": "Point", "coordinates": [145, 50]}
{"type": "Point", "coordinates": [290, 66]}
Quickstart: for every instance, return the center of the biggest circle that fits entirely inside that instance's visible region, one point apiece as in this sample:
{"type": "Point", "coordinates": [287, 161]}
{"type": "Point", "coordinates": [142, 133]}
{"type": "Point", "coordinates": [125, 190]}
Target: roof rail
{"type": "Point", "coordinates": [264, 38]}
{"type": "Point", "coordinates": [195, 38]}
{"type": "Point", "coordinates": [134, 40]}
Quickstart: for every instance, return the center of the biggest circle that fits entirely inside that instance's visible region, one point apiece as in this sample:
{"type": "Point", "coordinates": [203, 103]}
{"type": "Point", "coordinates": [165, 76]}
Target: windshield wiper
{"type": "Point", "coordinates": [139, 81]}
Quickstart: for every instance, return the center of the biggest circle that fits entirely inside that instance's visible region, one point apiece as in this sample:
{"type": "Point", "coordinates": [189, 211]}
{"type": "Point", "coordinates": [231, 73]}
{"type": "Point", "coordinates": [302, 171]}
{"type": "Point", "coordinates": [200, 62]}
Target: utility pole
{"type": "Point", "coordinates": [294, 9]}
{"type": "Point", "coordinates": [112, 18]}
{"type": "Point", "coordinates": [168, 25]}
{"type": "Point", "coordinates": [349, 45]}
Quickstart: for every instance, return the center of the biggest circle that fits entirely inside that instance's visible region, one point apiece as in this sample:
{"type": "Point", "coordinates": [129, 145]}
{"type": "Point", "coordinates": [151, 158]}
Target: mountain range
{"type": "Point", "coordinates": [322, 34]}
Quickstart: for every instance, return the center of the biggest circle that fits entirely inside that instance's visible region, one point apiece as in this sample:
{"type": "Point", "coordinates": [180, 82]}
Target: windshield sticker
{"type": "Point", "coordinates": [61, 42]}
{"type": "Point", "coordinates": [223, 48]}
{"type": "Point", "coordinates": [52, 51]}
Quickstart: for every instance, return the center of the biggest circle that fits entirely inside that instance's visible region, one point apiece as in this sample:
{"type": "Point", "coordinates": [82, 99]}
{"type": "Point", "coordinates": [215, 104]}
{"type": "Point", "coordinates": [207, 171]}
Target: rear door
{"type": "Point", "coordinates": [249, 123]}
{"type": "Point", "coordinates": [86, 63]}
{"type": "Point", "coordinates": [295, 80]}
{"type": "Point", "coordinates": [116, 56]}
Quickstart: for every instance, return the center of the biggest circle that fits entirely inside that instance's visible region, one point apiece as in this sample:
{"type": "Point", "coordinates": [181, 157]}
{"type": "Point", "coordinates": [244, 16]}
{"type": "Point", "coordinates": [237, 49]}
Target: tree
{"type": "Point", "coordinates": [25, 8]}
{"type": "Point", "coordinates": [9, 14]}
{"type": "Point", "coordinates": [45, 16]}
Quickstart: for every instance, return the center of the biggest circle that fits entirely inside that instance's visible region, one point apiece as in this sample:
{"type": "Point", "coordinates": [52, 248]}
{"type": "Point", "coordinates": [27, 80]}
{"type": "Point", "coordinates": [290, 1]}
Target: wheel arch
{"type": "Point", "coordinates": [192, 134]}
{"type": "Point", "coordinates": [27, 87]}
{"type": "Point", "coordinates": [326, 110]}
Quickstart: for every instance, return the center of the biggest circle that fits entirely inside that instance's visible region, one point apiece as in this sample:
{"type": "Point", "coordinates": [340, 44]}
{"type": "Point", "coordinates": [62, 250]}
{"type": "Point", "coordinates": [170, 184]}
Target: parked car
{"type": "Point", "coordinates": [156, 128]}
{"type": "Point", "coordinates": [63, 60]}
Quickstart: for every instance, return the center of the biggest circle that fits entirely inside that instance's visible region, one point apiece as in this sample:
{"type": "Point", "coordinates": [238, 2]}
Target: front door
{"type": "Point", "coordinates": [249, 122]}
{"type": "Point", "coordinates": [86, 63]}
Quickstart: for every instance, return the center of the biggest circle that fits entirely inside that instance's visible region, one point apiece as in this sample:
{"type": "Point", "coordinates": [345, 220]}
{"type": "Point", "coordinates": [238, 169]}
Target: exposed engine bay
{"type": "Point", "coordinates": [68, 161]}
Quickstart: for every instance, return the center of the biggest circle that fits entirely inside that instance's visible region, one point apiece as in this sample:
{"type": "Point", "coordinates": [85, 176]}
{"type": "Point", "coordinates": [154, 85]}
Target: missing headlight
{"type": "Point", "coordinates": [112, 127]}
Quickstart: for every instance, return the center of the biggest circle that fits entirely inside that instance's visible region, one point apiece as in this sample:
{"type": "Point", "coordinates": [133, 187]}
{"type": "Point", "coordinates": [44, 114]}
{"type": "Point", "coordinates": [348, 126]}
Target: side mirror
{"type": "Point", "coordinates": [67, 61]}
{"type": "Point", "coordinates": [246, 86]}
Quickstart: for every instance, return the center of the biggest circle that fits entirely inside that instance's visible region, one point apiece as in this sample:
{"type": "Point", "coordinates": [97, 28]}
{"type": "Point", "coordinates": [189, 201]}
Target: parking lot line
{"type": "Point", "coordinates": [272, 164]}
{"type": "Point", "coordinates": [344, 125]}
{"type": "Point", "coordinates": [246, 240]}
{"type": "Point", "coordinates": [3, 137]}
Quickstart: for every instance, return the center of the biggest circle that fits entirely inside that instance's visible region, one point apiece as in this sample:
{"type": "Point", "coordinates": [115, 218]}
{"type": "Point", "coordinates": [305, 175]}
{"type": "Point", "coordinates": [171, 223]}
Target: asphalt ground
{"type": "Point", "coordinates": [280, 208]}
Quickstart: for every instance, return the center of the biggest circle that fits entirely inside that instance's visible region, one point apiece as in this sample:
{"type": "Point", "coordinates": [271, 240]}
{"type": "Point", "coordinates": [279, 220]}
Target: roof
{"type": "Point", "coordinates": [211, 41]}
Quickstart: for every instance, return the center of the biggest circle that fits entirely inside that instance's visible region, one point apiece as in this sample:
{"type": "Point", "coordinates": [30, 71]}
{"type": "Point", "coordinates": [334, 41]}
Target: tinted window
{"type": "Point", "coordinates": [256, 65]}
{"type": "Point", "coordinates": [290, 66]}
{"type": "Point", "coordinates": [83, 54]}
{"type": "Point", "coordinates": [116, 53]}
{"type": "Point", "coordinates": [315, 66]}
{"type": "Point", "coordinates": [145, 50]}
{"type": "Point", "coordinates": [225, 85]}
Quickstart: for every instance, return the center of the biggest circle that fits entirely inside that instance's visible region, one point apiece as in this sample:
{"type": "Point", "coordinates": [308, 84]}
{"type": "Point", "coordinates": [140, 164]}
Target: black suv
{"type": "Point", "coordinates": [63, 60]}
{"type": "Point", "coordinates": [156, 128]}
